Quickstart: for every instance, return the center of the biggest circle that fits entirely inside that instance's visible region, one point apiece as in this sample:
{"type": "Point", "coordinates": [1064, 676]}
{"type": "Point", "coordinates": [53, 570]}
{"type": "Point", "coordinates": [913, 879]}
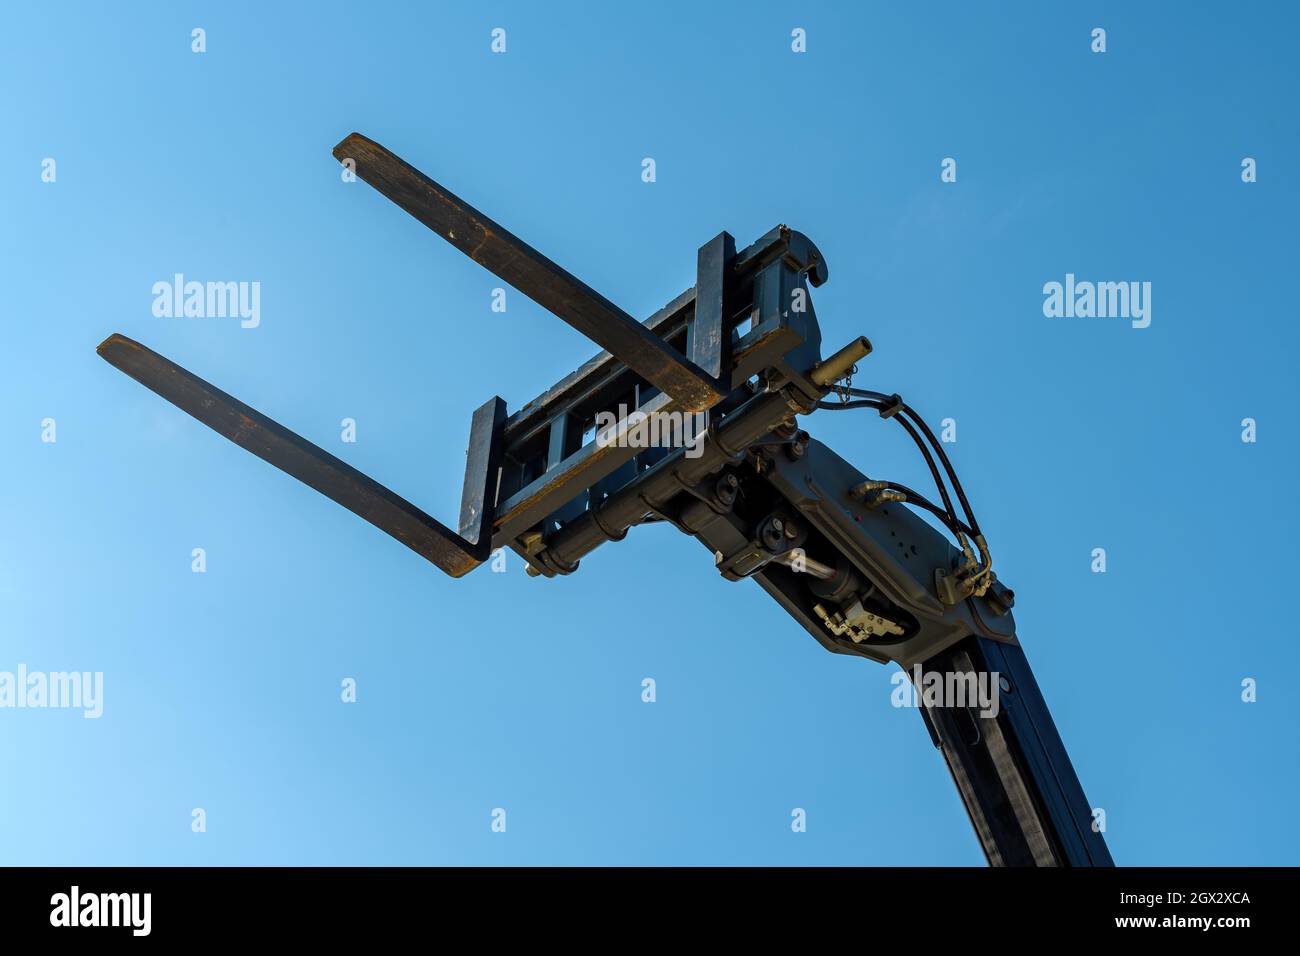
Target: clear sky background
{"type": "Point", "coordinates": [222, 690]}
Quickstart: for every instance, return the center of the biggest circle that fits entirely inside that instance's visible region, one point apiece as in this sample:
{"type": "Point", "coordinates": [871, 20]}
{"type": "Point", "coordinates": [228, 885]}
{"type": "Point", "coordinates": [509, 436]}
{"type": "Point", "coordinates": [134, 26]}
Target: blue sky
{"type": "Point", "coordinates": [498, 690]}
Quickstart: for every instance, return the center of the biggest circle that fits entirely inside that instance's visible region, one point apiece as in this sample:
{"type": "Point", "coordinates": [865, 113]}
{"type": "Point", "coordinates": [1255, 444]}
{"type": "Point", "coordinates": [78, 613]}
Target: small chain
{"type": "Point", "coordinates": [843, 385]}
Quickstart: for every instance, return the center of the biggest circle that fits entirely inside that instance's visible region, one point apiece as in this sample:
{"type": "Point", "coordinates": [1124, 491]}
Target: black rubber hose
{"type": "Point", "coordinates": [920, 443]}
{"type": "Point", "coordinates": [884, 401]}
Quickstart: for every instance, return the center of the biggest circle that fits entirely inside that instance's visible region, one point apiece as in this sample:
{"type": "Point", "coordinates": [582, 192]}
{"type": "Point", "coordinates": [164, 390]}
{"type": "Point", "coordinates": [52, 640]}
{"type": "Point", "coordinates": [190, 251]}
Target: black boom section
{"type": "Point", "coordinates": [1012, 770]}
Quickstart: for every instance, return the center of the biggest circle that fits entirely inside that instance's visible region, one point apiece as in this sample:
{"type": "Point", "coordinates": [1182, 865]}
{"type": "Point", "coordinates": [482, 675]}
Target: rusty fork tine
{"type": "Point", "coordinates": [318, 469]}
{"type": "Point", "coordinates": [533, 274]}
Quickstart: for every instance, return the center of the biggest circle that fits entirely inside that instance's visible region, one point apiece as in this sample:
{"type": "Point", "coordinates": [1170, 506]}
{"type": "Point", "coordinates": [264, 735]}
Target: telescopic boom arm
{"type": "Point", "coordinates": [738, 354]}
